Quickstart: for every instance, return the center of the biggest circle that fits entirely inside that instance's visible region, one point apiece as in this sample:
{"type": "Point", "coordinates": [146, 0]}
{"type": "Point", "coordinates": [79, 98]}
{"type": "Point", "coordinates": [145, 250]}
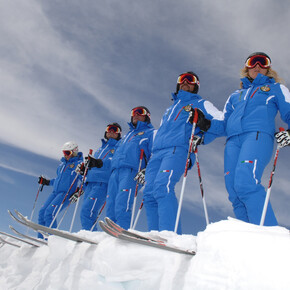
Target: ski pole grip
{"type": "Point", "coordinates": [91, 151]}
{"type": "Point", "coordinates": [141, 153]}
{"type": "Point", "coordinates": [281, 129]}
{"type": "Point", "coordinates": [195, 116]}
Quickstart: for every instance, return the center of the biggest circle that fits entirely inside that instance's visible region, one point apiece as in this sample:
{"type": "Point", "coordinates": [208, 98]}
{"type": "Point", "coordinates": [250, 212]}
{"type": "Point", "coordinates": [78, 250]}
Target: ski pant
{"type": "Point", "coordinates": [49, 209]}
{"type": "Point", "coordinates": [163, 171]}
{"type": "Point", "coordinates": [246, 157]}
{"type": "Point", "coordinates": [120, 196]}
{"type": "Point", "coordinates": [94, 198]}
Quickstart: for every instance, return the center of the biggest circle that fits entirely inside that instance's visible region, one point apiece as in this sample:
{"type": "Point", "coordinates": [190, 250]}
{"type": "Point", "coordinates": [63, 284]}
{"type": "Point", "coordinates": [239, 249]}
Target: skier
{"type": "Point", "coordinates": [170, 149]}
{"type": "Point", "coordinates": [125, 165]}
{"type": "Point", "coordinates": [65, 176]}
{"type": "Point", "coordinates": [249, 120]}
{"type": "Point", "coordinates": [97, 178]}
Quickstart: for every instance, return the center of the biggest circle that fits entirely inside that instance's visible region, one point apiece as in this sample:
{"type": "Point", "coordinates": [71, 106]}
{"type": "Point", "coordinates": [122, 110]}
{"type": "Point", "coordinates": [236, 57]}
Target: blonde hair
{"type": "Point", "coordinates": [270, 73]}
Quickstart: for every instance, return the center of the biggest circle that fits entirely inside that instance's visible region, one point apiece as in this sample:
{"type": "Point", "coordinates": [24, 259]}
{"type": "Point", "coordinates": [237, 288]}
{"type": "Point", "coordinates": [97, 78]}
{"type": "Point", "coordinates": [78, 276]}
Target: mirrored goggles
{"type": "Point", "coordinates": [191, 79]}
{"type": "Point", "coordinates": [67, 153]}
{"type": "Point", "coordinates": [113, 129]}
{"type": "Point", "coordinates": [262, 60]}
{"type": "Point", "coordinates": [139, 112]}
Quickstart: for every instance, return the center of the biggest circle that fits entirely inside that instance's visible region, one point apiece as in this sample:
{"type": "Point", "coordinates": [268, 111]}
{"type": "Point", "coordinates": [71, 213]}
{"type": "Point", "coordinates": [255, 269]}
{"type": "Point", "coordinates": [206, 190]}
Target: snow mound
{"type": "Point", "coordinates": [230, 255]}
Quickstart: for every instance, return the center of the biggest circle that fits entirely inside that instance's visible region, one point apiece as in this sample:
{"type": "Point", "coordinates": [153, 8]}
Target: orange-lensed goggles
{"type": "Point", "coordinates": [113, 129]}
{"type": "Point", "coordinates": [191, 79]}
{"type": "Point", "coordinates": [262, 60]}
{"type": "Point", "coordinates": [139, 111]}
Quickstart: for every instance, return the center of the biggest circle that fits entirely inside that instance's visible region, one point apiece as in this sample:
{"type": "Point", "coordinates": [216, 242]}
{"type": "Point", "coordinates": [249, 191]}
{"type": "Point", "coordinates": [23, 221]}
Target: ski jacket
{"type": "Point", "coordinates": [128, 149]}
{"type": "Point", "coordinates": [105, 152]}
{"type": "Point", "coordinates": [175, 130]}
{"type": "Point", "coordinates": [255, 107]}
{"type": "Point", "coordinates": [66, 174]}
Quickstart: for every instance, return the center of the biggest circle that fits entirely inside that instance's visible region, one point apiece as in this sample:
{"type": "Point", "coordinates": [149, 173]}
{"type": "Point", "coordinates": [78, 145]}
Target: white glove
{"type": "Point", "coordinates": [74, 197]}
{"type": "Point", "coordinates": [140, 177]}
{"type": "Point", "coordinates": [283, 138]}
{"type": "Point", "coordinates": [195, 142]}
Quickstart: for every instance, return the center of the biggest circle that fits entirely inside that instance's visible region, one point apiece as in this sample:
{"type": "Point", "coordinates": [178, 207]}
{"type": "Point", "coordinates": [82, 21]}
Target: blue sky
{"type": "Point", "coordinates": [69, 68]}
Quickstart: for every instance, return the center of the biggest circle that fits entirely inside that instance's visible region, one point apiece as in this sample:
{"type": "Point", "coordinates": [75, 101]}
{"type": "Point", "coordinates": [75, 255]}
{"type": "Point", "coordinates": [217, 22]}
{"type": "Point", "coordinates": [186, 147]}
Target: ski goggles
{"type": "Point", "coordinates": [67, 153]}
{"type": "Point", "coordinates": [191, 79]}
{"type": "Point", "coordinates": [262, 60]}
{"type": "Point", "coordinates": [113, 129]}
{"type": "Point", "coordinates": [139, 111]}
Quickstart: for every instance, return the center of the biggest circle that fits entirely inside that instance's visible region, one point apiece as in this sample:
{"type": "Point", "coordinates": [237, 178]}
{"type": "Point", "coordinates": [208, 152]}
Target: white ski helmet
{"type": "Point", "coordinates": [71, 146]}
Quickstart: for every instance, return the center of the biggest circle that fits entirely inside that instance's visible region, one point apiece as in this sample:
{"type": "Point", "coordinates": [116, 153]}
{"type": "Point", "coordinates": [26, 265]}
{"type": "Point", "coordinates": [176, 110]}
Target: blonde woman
{"type": "Point", "coordinates": [249, 119]}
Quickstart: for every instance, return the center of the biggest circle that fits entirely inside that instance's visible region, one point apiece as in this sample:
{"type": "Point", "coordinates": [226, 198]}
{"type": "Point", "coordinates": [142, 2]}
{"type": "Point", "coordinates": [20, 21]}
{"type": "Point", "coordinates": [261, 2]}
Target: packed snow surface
{"type": "Point", "coordinates": [230, 255]}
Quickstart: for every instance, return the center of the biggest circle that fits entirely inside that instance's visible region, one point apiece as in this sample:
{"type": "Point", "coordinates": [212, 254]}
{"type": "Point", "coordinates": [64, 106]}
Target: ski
{"type": "Point", "coordinates": [18, 239]}
{"type": "Point", "coordinates": [119, 229]}
{"type": "Point", "coordinates": [141, 240]}
{"type": "Point", "coordinates": [45, 235]}
{"type": "Point", "coordinates": [59, 233]}
{"type": "Point", "coordinates": [27, 236]}
{"type": "Point", "coordinates": [9, 243]}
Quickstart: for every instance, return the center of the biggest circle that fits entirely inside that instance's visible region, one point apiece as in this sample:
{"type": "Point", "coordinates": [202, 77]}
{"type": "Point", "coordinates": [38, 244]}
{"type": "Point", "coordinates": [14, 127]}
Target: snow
{"type": "Point", "coordinates": [230, 255]}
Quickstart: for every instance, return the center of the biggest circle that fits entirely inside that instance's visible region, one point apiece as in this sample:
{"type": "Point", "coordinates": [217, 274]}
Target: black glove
{"type": "Point", "coordinates": [140, 176]}
{"type": "Point", "coordinates": [283, 138]}
{"type": "Point", "coordinates": [42, 180]}
{"type": "Point", "coordinates": [202, 122]}
{"type": "Point", "coordinates": [80, 169]}
{"type": "Point", "coordinates": [93, 162]}
{"type": "Point", "coordinates": [74, 197]}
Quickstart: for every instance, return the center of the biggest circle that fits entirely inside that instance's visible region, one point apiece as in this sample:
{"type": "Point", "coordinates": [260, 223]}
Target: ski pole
{"type": "Point", "coordinates": [64, 199]}
{"type": "Point", "coordinates": [136, 189]}
{"type": "Point", "coordinates": [80, 190]}
{"type": "Point", "coordinates": [186, 168]}
{"type": "Point", "coordinates": [100, 212]}
{"type": "Point", "coordinates": [201, 187]}
{"type": "Point", "coordinates": [270, 184]}
{"type": "Point", "coordinates": [40, 188]}
{"type": "Point", "coordinates": [138, 214]}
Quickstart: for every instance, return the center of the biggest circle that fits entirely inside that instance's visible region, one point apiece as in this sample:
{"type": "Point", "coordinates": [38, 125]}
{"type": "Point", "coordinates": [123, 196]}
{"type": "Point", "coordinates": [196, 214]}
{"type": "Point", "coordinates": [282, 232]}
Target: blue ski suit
{"type": "Point", "coordinates": [97, 184]}
{"type": "Point", "coordinates": [61, 184]}
{"type": "Point", "coordinates": [168, 160]}
{"type": "Point", "coordinates": [249, 120]}
{"type": "Point", "coordinates": [125, 163]}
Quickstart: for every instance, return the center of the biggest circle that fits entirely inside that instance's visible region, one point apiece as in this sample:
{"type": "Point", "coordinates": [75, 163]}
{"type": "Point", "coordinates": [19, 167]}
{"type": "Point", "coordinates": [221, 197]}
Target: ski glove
{"type": "Point", "coordinates": [93, 162]}
{"type": "Point", "coordinates": [195, 142]}
{"type": "Point", "coordinates": [42, 180]}
{"type": "Point", "coordinates": [74, 197]}
{"type": "Point", "coordinates": [140, 176]}
{"type": "Point", "coordinates": [80, 169]}
{"type": "Point", "coordinates": [202, 122]}
{"type": "Point", "coordinates": [283, 138]}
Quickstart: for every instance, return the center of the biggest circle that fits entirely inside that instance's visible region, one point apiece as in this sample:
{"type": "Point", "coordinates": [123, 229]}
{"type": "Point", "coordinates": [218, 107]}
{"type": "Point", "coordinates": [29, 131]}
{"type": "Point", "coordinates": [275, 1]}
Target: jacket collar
{"type": "Point", "coordinates": [259, 80]}
{"type": "Point", "coordinates": [140, 126]}
{"type": "Point", "coordinates": [185, 96]}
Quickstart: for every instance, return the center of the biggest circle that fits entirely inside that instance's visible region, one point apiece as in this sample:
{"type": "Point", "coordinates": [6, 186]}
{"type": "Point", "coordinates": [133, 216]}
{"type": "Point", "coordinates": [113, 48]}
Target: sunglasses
{"type": "Point", "coordinates": [139, 112]}
{"type": "Point", "coordinates": [262, 60]}
{"type": "Point", "coordinates": [113, 129]}
{"type": "Point", "coordinates": [191, 79]}
{"type": "Point", "coordinates": [67, 152]}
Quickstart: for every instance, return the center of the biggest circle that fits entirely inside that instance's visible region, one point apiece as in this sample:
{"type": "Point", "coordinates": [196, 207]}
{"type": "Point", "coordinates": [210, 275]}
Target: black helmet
{"type": "Point", "coordinates": [196, 87]}
{"type": "Point", "coordinates": [258, 53]}
{"type": "Point", "coordinates": [147, 114]}
{"type": "Point", "coordinates": [119, 133]}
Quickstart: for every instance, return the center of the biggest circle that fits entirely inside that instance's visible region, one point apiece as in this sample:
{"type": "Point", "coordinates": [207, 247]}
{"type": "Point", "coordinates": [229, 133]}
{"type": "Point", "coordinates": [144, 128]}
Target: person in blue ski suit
{"type": "Point", "coordinates": [61, 184]}
{"type": "Point", "coordinates": [249, 121]}
{"type": "Point", "coordinates": [96, 182]}
{"type": "Point", "coordinates": [125, 165]}
{"type": "Point", "coordinates": [170, 149]}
